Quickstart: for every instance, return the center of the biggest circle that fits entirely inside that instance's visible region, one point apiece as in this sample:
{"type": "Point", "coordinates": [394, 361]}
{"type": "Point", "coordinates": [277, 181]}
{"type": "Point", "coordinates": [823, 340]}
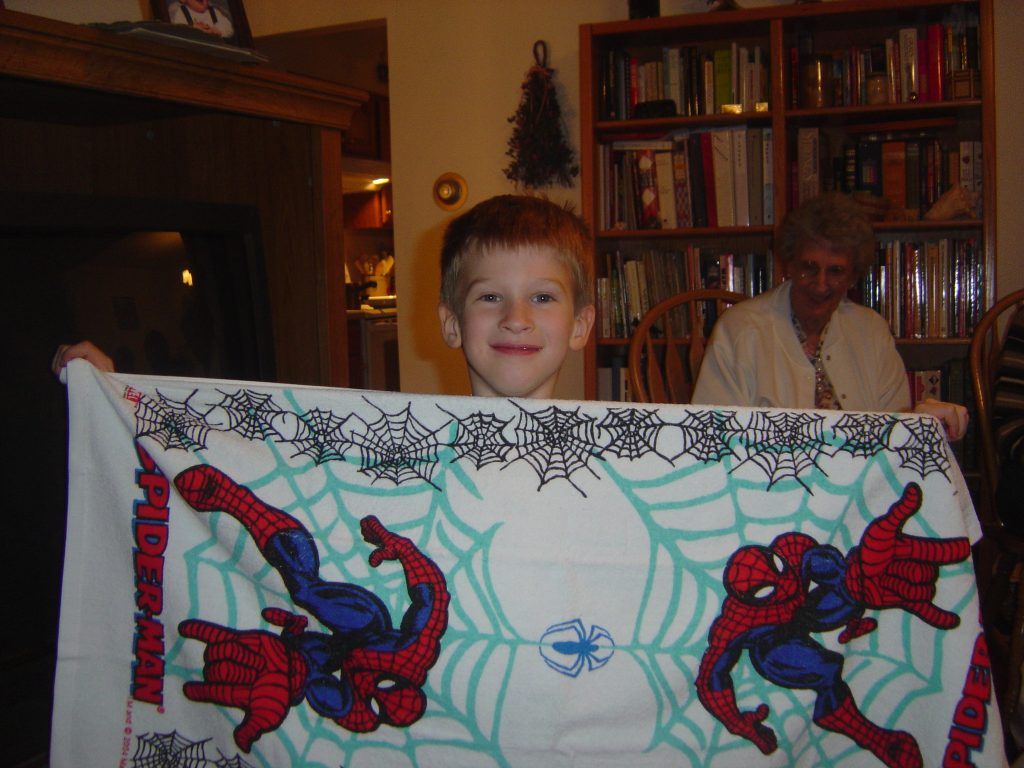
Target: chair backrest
{"type": "Point", "coordinates": [657, 371]}
{"type": "Point", "coordinates": [986, 360]}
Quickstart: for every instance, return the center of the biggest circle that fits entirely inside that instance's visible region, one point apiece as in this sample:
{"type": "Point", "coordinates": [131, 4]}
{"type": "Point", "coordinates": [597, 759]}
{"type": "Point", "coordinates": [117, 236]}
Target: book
{"type": "Point", "coordinates": [755, 177]}
{"type": "Point", "coordinates": [907, 38]}
{"type": "Point", "coordinates": [892, 69]}
{"type": "Point", "coordinates": [768, 175]}
{"type": "Point", "coordinates": [707, 161]}
{"type": "Point", "coordinates": [665, 182]}
{"type": "Point", "coordinates": [708, 83]}
{"type": "Point", "coordinates": [744, 79]}
{"type": "Point", "coordinates": [681, 179]}
{"type": "Point", "coordinates": [604, 306]}
{"type": "Point", "coordinates": [914, 206]}
{"type": "Point", "coordinates": [869, 164]}
{"type": "Point", "coordinates": [723, 78]}
{"type": "Point", "coordinates": [894, 174]}
{"type": "Point", "coordinates": [927, 384]}
{"type": "Point", "coordinates": [723, 173]}
{"type": "Point", "coordinates": [647, 189]}
{"type": "Point", "coordinates": [808, 154]}
{"type": "Point", "coordinates": [671, 62]}
{"type": "Point", "coordinates": [976, 146]}
{"type": "Point", "coordinates": [740, 176]}
{"type": "Point", "coordinates": [936, 61]}
{"type": "Point", "coordinates": [696, 165]}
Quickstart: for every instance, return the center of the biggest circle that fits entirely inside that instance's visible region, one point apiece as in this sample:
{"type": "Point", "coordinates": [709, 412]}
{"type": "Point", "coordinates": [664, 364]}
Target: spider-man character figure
{"type": "Point", "coordinates": [364, 673]}
{"type": "Point", "coordinates": [779, 595]}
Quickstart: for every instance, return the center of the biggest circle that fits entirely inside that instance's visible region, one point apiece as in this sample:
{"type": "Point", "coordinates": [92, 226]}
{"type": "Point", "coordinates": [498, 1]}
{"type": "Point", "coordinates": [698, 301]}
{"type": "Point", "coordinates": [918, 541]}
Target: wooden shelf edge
{"type": "Point", "coordinates": [38, 49]}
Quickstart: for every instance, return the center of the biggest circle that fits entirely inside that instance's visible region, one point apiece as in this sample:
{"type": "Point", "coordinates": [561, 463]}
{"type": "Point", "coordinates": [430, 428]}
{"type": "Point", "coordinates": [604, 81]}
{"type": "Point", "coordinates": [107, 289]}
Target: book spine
{"type": "Point", "coordinates": [908, 64]}
{"type": "Point", "coordinates": [755, 178]}
{"type": "Point", "coordinates": [768, 175]}
{"type": "Point", "coordinates": [869, 161]}
{"type": "Point", "coordinates": [808, 149]}
{"type": "Point", "coordinates": [648, 189]}
{"type": "Point", "coordinates": [740, 177]}
{"type": "Point", "coordinates": [894, 175]}
{"type": "Point", "coordinates": [936, 62]}
{"type": "Point", "coordinates": [681, 180]}
{"type": "Point", "coordinates": [723, 170]}
{"type": "Point", "coordinates": [722, 59]}
{"type": "Point", "coordinates": [892, 69]}
{"type": "Point", "coordinates": [707, 159]}
{"type": "Point", "coordinates": [696, 164]}
{"type": "Point", "coordinates": [709, 85]}
{"type": "Point", "coordinates": [666, 189]}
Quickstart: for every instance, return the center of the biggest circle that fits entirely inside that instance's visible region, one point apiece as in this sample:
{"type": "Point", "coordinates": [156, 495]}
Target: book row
{"type": "Point", "coordinates": [634, 282]}
{"type": "Point", "coordinates": [927, 288]}
{"type": "Point", "coordinates": [713, 178]}
{"type": "Point", "coordinates": [909, 174]}
{"type": "Point", "coordinates": [931, 62]}
{"type": "Point", "coordinates": [684, 80]}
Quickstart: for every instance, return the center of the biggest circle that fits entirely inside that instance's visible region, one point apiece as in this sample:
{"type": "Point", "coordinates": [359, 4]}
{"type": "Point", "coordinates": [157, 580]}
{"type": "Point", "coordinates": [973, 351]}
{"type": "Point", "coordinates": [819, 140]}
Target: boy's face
{"type": "Point", "coordinates": [518, 321]}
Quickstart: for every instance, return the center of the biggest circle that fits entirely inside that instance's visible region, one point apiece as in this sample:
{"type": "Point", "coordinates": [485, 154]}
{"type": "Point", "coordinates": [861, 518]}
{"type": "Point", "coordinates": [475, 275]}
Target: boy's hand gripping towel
{"type": "Point", "coordinates": [265, 575]}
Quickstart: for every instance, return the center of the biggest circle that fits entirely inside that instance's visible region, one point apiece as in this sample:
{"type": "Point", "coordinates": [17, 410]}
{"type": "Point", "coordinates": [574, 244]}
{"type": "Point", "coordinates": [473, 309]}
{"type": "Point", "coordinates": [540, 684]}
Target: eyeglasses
{"type": "Point", "coordinates": [835, 274]}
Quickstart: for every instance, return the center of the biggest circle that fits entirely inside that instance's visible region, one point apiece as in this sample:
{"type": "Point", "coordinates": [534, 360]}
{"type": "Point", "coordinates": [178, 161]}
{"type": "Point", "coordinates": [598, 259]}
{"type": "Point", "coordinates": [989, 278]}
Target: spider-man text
{"type": "Point", "coordinates": [970, 720]}
{"type": "Point", "coordinates": [150, 535]}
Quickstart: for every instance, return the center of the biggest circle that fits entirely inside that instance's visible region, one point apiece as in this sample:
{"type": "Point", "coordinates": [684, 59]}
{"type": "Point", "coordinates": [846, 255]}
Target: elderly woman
{"type": "Point", "coordinates": [804, 344]}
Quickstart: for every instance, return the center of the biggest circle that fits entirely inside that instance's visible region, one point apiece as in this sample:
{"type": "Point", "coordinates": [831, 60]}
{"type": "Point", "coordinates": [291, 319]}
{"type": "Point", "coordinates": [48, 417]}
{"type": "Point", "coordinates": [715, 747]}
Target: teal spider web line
{"type": "Point", "coordinates": [661, 651]}
{"type": "Point", "coordinates": [220, 553]}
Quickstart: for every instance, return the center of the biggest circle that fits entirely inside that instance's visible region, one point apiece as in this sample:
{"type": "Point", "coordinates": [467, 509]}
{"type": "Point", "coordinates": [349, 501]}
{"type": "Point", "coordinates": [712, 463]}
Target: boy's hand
{"type": "Point", "coordinates": [952, 416]}
{"type": "Point", "coordinates": [85, 350]}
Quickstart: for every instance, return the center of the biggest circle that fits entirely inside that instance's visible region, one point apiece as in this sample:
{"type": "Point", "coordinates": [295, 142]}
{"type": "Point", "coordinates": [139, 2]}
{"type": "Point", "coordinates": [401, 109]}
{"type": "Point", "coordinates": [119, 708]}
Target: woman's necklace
{"type": "Point", "coordinates": [824, 393]}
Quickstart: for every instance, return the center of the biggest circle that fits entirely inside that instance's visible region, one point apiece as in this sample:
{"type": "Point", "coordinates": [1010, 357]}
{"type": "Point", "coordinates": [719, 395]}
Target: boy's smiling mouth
{"type": "Point", "coordinates": [515, 349]}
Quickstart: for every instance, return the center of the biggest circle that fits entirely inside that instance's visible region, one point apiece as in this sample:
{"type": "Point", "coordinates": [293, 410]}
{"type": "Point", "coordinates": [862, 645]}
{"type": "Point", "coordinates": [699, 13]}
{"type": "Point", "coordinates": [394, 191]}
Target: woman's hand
{"type": "Point", "coordinates": [952, 416]}
{"type": "Point", "coordinates": [85, 350]}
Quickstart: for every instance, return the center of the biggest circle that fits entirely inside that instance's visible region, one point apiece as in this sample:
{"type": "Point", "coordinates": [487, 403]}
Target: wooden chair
{"type": "Point", "coordinates": [657, 371]}
{"type": "Point", "coordinates": [999, 559]}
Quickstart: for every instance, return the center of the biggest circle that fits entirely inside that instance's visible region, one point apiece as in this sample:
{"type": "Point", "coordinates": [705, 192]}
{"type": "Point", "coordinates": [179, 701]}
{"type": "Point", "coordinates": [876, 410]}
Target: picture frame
{"type": "Point", "coordinates": [222, 19]}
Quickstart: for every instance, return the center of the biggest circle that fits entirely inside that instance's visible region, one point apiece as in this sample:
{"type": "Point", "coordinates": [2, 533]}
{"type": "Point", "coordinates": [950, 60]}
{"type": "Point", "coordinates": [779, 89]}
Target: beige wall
{"type": "Point", "coordinates": [455, 71]}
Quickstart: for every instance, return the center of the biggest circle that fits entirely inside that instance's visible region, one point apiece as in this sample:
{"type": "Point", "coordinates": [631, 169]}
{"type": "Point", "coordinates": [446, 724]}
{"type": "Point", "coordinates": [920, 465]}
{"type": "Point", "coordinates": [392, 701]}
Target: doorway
{"type": "Point", "coordinates": [356, 55]}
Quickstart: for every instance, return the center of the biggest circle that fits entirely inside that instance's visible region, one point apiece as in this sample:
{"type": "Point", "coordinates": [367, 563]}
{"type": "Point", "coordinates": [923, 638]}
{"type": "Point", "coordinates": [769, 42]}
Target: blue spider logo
{"type": "Point", "coordinates": [567, 647]}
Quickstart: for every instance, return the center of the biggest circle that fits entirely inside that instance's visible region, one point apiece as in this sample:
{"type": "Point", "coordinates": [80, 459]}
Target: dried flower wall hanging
{"type": "Point", "coordinates": [540, 154]}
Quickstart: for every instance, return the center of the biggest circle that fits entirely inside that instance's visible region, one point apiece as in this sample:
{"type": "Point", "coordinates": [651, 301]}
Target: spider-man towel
{"type": "Point", "coordinates": [262, 575]}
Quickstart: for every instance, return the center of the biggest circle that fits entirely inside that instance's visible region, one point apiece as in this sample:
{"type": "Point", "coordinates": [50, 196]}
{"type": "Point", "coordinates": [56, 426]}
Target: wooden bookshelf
{"type": "Point", "coordinates": [855, 31]}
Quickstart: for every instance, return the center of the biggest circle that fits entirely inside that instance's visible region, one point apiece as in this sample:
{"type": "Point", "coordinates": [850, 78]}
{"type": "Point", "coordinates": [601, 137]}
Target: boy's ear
{"type": "Point", "coordinates": [581, 327]}
{"type": "Point", "coordinates": [450, 330]}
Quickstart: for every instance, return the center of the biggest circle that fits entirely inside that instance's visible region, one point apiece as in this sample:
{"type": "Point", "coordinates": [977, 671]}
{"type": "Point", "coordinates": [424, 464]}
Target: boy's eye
{"type": "Point", "coordinates": [488, 297]}
{"type": "Point", "coordinates": [544, 298]}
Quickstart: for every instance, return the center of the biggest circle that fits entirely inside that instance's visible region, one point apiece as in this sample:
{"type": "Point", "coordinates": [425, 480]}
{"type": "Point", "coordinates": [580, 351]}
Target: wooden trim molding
{"type": "Point", "coordinates": [51, 51]}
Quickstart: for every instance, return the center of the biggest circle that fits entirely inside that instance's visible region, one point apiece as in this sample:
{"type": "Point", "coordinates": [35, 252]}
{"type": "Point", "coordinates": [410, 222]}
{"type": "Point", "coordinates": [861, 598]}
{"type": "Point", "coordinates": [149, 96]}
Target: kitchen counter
{"type": "Point", "coordinates": [370, 313]}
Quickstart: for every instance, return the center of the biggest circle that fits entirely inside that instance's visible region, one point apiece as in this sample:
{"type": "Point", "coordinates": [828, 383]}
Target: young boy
{"type": "Point", "coordinates": [515, 296]}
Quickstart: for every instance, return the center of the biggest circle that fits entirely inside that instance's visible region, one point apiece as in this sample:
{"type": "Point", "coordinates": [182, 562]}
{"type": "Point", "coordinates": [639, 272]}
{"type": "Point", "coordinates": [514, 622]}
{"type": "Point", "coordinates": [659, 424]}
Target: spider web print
{"type": "Point", "coordinates": [398, 447]}
{"type": "Point", "coordinates": [864, 435]}
{"type": "Point", "coordinates": [707, 434]}
{"type": "Point", "coordinates": [480, 438]}
{"type": "Point", "coordinates": [557, 443]}
{"type": "Point", "coordinates": [171, 750]}
{"type": "Point", "coordinates": [632, 433]}
{"type": "Point", "coordinates": [785, 444]}
{"type": "Point", "coordinates": [250, 414]}
{"type": "Point", "coordinates": [320, 436]}
{"type": "Point", "coordinates": [925, 448]}
{"type": "Point", "coordinates": [172, 423]}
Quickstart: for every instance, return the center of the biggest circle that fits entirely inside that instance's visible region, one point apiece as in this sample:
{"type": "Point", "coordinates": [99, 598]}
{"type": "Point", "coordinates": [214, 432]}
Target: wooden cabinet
{"type": "Point", "coordinates": [368, 210]}
{"type": "Point", "coordinates": [370, 132]}
{"type": "Point", "coordinates": [806, 95]}
{"type": "Point", "coordinates": [87, 112]}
